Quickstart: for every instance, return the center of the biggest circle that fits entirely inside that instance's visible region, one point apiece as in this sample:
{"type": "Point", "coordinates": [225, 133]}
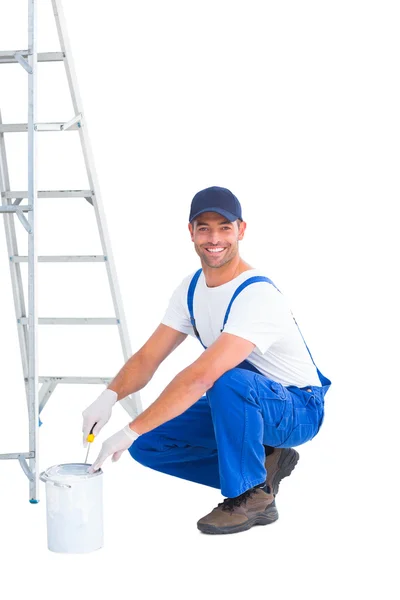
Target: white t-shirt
{"type": "Point", "coordinates": [259, 314]}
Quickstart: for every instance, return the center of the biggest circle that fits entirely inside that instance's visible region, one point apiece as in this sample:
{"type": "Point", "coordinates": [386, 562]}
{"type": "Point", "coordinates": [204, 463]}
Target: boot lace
{"type": "Point", "coordinates": [231, 503]}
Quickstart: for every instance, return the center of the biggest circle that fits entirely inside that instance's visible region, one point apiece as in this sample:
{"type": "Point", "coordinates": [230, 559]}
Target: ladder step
{"type": "Point", "coordinates": [89, 258]}
{"type": "Point", "coordinates": [51, 194]}
{"type": "Point", "coordinates": [12, 208]}
{"type": "Point", "coordinates": [17, 455]}
{"type": "Point", "coordinates": [38, 127]}
{"type": "Point", "coordinates": [47, 379]}
{"type": "Point", "coordinates": [71, 321]}
{"type": "Point", "coordinates": [8, 56]}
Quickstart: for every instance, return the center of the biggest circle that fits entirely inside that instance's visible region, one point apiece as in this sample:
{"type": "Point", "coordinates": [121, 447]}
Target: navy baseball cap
{"type": "Point", "coordinates": [216, 199]}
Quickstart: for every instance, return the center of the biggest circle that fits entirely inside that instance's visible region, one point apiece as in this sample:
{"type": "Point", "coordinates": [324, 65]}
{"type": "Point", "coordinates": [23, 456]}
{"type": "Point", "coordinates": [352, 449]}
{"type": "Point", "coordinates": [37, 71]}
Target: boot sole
{"type": "Point", "coordinates": [265, 518]}
{"type": "Point", "coordinates": [287, 462]}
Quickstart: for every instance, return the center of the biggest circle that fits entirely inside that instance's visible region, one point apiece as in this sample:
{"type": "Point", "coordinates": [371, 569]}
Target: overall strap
{"type": "Point", "coordinates": [239, 289]}
{"type": "Point", "coordinates": [190, 296]}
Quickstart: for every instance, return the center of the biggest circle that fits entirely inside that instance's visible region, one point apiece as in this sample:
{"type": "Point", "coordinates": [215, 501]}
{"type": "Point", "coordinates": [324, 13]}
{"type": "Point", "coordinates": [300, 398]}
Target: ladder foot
{"type": "Point", "coordinates": [32, 501]}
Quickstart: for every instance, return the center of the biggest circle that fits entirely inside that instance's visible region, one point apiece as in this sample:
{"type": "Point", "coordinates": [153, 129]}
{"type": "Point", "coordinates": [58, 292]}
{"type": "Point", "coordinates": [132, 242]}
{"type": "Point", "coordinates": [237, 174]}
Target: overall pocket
{"type": "Point", "coordinates": [276, 406]}
{"type": "Point", "coordinates": [308, 414]}
{"type": "Point", "coordinates": [283, 397]}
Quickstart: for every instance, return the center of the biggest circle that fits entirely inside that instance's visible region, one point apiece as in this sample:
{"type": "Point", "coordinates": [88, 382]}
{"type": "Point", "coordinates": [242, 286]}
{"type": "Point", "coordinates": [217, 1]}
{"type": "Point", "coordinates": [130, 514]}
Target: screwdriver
{"type": "Point", "coordinates": [90, 439]}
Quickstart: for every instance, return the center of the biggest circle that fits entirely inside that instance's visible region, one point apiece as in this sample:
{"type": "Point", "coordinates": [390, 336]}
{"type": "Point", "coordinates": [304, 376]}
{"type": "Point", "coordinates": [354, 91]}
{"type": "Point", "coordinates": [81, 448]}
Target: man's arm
{"type": "Point", "coordinates": [189, 385]}
{"type": "Point", "coordinates": [140, 368]}
{"type": "Point", "coordinates": [183, 391]}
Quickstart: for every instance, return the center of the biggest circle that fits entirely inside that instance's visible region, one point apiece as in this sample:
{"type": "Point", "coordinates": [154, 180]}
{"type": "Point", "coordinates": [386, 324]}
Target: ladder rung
{"type": "Point", "coordinates": [51, 194]}
{"type": "Point", "coordinates": [106, 380]}
{"type": "Point", "coordinates": [15, 208]}
{"type": "Point", "coordinates": [38, 127]}
{"type": "Point", "coordinates": [89, 258]}
{"type": "Point", "coordinates": [71, 321]}
{"type": "Point", "coordinates": [7, 56]}
{"type": "Point", "coordinates": [17, 455]}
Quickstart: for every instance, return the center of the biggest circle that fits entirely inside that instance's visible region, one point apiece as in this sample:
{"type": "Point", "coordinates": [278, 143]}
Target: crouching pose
{"type": "Point", "coordinates": [231, 418]}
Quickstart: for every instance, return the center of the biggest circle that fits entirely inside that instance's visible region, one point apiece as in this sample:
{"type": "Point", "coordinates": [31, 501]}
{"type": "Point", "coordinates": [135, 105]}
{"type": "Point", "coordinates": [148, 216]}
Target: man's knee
{"type": "Point", "coordinates": [143, 449]}
{"type": "Point", "coordinates": [227, 379]}
{"type": "Point", "coordinates": [235, 381]}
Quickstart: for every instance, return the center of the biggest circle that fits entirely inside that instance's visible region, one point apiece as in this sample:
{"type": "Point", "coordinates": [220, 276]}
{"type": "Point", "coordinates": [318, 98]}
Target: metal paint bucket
{"type": "Point", "coordinates": [74, 500]}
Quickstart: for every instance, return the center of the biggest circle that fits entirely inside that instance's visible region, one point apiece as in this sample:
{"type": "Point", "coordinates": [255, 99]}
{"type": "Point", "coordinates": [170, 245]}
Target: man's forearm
{"type": "Point", "coordinates": [183, 391]}
{"type": "Point", "coordinates": [134, 375]}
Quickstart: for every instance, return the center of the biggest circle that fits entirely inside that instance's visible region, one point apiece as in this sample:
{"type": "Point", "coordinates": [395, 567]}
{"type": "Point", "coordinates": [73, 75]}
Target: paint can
{"type": "Point", "coordinates": [74, 501]}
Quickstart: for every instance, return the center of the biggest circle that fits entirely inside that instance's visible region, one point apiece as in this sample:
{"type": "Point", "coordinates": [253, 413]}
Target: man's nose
{"type": "Point", "coordinates": [214, 237]}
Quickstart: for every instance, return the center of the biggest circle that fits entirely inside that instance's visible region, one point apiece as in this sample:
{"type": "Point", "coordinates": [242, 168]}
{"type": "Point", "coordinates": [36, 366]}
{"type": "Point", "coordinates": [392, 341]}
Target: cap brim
{"type": "Point", "coordinates": [231, 217]}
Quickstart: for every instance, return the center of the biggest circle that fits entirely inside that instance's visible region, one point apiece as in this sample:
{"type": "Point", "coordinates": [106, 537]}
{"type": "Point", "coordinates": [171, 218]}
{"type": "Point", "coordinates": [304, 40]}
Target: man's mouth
{"type": "Point", "coordinates": [216, 250]}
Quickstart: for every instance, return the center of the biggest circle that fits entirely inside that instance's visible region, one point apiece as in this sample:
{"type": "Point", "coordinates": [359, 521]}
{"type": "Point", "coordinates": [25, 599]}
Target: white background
{"type": "Point", "coordinates": [294, 107]}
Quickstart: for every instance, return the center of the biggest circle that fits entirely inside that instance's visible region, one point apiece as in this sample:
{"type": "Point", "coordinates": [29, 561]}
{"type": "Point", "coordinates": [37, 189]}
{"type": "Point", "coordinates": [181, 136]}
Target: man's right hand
{"type": "Point", "coordinates": [98, 413]}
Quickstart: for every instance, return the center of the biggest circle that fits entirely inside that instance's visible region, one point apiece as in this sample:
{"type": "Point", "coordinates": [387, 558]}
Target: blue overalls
{"type": "Point", "coordinates": [219, 440]}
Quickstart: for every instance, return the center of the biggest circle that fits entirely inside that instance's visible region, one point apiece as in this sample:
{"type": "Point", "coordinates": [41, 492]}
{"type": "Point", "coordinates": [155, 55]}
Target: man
{"type": "Point", "coordinates": [230, 418]}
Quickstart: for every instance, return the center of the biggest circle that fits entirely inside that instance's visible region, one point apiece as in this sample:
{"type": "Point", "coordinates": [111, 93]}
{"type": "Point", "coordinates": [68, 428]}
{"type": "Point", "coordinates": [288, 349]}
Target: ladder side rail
{"type": "Point", "coordinates": [33, 381]}
{"type": "Point", "coordinates": [132, 404]}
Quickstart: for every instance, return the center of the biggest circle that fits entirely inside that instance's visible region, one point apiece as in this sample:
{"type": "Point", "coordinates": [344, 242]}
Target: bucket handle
{"type": "Point", "coordinates": [43, 477]}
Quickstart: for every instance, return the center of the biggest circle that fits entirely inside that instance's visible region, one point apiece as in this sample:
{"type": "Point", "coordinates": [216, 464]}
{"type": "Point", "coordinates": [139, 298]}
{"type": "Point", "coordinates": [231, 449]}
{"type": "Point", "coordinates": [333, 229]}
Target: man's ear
{"type": "Point", "coordinates": [190, 227]}
{"type": "Point", "coordinates": [242, 229]}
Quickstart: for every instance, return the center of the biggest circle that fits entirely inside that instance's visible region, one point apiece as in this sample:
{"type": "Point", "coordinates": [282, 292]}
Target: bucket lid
{"type": "Point", "coordinates": [74, 471]}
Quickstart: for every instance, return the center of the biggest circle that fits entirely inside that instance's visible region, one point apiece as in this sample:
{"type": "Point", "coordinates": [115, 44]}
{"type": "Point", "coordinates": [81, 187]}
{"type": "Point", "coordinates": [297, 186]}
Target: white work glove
{"type": "Point", "coordinates": [115, 445]}
{"type": "Point", "coordinates": [99, 413]}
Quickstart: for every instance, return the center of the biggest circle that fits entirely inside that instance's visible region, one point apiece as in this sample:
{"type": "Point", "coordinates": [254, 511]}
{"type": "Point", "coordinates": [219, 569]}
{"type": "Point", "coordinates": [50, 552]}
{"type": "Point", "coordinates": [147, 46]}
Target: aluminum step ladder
{"type": "Point", "coordinates": [11, 204]}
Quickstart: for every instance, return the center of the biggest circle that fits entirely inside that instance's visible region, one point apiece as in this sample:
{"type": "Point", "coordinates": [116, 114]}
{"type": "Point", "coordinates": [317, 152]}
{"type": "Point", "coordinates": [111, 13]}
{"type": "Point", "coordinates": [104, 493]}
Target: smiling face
{"type": "Point", "coordinates": [216, 240]}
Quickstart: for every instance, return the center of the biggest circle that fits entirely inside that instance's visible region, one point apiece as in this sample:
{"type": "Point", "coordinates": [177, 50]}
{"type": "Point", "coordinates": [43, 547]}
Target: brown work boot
{"type": "Point", "coordinates": [254, 507]}
{"type": "Point", "coordinates": [279, 464]}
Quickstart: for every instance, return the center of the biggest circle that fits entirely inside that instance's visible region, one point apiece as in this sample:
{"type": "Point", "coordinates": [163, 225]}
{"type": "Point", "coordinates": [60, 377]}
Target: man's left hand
{"type": "Point", "coordinates": [115, 446]}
